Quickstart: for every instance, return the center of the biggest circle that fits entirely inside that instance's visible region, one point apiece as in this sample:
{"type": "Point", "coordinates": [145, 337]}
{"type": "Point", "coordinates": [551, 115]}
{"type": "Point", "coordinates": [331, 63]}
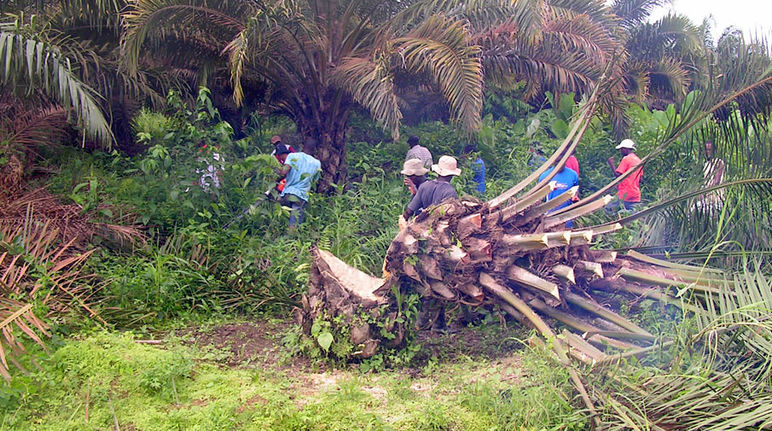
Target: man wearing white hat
{"type": "Point", "coordinates": [435, 191]}
{"type": "Point", "coordinates": [431, 193]}
{"type": "Point", "coordinates": [630, 188]}
{"type": "Point", "coordinates": [415, 174]}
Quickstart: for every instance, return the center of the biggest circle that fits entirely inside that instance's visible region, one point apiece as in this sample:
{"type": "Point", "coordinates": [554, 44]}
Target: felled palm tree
{"type": "Point", "coordinates": [514, 252]}
{"type": "Point", "coordinates": [317, 61]}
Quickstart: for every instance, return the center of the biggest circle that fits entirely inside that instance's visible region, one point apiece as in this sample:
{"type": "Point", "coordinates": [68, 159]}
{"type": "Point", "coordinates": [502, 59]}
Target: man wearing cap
{"type": "Point", "coordinates": [415, 175]}
{"type": "Point", "coordinates": [300, 170]}
{"type": "Point", "coordinates": [435, 191]}
{"type": "Point", "coordinates": [276, 141]}
{"type": "Point", "coordinates": [418, 152]}
{"type": "Point", "coordinates": [629, 189]}
{"type": "Point", "coordinates": [428, 194]}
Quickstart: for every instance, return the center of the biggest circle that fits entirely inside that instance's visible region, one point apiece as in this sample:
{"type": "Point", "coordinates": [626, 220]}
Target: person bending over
{"type": "Point", "coordinates": [300, 170]}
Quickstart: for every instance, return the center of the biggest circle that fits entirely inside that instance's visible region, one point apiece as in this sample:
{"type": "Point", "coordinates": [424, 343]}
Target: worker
{"type": "Point", "coordinates": [478, 167]}
{"type": "Point", "coordinates": [428, 194]}
{"type": "Point", "coordinates": [573, 164]}
{"type": "Point", "coordinates": [629, 190]}
{"type": "Point", "coordinates": [300, 170]}
{"type": "Point", "coordinates": [565, 179]}
{"type": "Point", "coordinates": [435, 191]}
{"type": "Point", "coordinates": [276, 142]}
{"type": "Point", "coordinates": [418, 152]}
{"type": "Point", "coordinates": [537, 155]}
{"type": "Point", "coordinates": [415, 174]}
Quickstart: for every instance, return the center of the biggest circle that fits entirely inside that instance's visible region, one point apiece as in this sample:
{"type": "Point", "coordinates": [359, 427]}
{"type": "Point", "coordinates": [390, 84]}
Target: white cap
{"type": "Point", "coordinates": [626, 143]}
{"type": "Point", "coordinates": [446, 166]}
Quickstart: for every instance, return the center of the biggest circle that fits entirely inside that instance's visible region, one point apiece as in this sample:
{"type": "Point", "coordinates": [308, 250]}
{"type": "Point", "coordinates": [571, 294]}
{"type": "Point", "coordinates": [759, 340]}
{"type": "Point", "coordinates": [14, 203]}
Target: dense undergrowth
{"type": "Point", "coordinates": [196, 259]}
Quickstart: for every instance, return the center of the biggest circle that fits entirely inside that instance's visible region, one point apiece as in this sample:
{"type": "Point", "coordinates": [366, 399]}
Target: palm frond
{"type": "Point", "coordinates": [17, 316]}
{"type": "Point", "coordinates": [146, 20]}
{"type": "Point", "coordinates": [635, 12]}
{"type": "Point", "coordinates": [371, 84]}
{"type": "Point", "coordinates": [727, 388]}
{"type": "Point", "coordinates": [34, 65]}
{"type": "Point", "coordinates": [439, 46]}
{"type": "Point", "coordinates": [698, 106]}
{"type": "Point", "coordinates": [34, 128]}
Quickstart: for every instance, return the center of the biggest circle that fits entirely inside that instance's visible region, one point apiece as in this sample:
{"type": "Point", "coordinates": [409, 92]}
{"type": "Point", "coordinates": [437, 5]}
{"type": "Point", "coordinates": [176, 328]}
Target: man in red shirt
{"type": "Point", "coordinates": [573, 164]}
{"type": "Point", "coordinates": [629, 189]}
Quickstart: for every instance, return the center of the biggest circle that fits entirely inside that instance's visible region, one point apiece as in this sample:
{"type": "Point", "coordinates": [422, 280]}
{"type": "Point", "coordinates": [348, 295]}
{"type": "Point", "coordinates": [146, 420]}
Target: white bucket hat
{"type": "Point", "coordinates": [446, 166]}
{"type": "Point", "coordinates": [626, 143]}
{"type": "Point", "coordinates": [414, 167]}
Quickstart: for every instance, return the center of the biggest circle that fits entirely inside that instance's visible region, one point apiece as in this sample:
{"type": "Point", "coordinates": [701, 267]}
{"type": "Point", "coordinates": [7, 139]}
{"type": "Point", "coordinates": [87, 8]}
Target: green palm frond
{"type": "Point", "coordinates": [635, 12]}
{"type": "Point", "coordinates": [371, 84]}
{"type": "Point", "coordinates": [29, 65]}
{"type": "Point", "coordinates": [669, 78]}
{"type": "Point", "coordinates": [727, 388]}
{"type": "Point", "coordinates": [98, 14]}
{"type": "Point", "coordinates": [699, 106]}
{"type": "Point", "coordinates": [762, 186]}
{"type": "Point", "coordinates": [144, 18]}
{"type": "Point", "coordinates": [439, 47]}
{"type": "Point", "coordinates": [596, 10]}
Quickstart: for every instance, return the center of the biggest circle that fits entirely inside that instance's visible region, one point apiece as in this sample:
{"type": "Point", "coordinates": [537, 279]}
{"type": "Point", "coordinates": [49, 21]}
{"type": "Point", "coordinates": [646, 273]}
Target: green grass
{"type": "Point", "coordinates": [176, 387]}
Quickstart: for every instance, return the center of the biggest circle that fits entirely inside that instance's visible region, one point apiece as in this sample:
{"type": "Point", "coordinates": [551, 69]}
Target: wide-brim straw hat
{"type": "Point", "coordinates": [414, 167]}
{"type": "Point", "coordinates": [446, 166]}
{"type": "Point", "coordinates": [626, 143]}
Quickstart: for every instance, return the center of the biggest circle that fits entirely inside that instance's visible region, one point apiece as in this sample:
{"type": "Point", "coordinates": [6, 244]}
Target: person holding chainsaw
{"type": "Point", "coordinates": [299, 170]}
{"type": "Point", "coordinates": [276, 142]}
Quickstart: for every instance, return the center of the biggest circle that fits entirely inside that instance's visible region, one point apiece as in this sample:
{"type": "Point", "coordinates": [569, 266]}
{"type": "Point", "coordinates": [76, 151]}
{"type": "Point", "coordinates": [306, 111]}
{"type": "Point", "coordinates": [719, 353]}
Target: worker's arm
{"type": "Point", "coordinates": [283, 171]}
{"type": "Point", "coordinates": [415, 203]}
{"type": "Point", "coordinates": [612, 163]}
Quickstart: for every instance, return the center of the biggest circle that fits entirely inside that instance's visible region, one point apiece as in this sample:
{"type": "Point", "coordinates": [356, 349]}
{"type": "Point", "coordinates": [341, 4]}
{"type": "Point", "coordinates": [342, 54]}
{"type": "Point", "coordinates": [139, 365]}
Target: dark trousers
{"type": "Point", "coordinates": [297, 208]}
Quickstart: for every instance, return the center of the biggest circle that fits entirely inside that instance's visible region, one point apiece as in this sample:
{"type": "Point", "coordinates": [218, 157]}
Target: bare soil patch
{"type": "Point", "coordinates": [259, 343]}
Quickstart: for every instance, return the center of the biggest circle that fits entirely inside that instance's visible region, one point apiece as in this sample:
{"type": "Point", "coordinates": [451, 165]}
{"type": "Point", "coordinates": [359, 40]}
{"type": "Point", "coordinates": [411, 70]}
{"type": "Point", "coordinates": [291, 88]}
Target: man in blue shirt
{"type": "Point", "coordinates": [300, 170]}
{"type": "Point", "coordinates": [478, 167]}
{"type": "Point", "coordinates": [566, 179]}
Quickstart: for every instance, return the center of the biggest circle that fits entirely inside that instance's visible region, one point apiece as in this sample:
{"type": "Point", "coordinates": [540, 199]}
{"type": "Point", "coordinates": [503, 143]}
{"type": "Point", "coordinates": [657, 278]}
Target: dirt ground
{"type": "Point", "coordinates": [259, 343]}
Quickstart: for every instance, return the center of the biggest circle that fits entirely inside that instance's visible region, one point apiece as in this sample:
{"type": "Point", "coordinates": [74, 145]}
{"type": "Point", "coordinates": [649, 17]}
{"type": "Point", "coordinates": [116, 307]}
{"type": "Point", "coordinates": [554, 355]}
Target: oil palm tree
{"type": "Point", "coordinates": [66, 52]}
{"type": "Point", "coordinates": [317, 61]}
{"type": "Point", "coordinates": [663, 57]}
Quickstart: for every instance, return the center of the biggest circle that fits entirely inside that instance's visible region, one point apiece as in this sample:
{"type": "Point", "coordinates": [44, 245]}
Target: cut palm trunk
{"type": "Point", "coordinates": [509, 250]}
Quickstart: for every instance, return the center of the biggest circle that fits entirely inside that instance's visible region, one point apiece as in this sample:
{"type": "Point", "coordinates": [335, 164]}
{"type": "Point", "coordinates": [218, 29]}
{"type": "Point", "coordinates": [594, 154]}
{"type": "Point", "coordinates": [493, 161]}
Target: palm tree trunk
{"type": "Point", "coordinates": [330, 149]}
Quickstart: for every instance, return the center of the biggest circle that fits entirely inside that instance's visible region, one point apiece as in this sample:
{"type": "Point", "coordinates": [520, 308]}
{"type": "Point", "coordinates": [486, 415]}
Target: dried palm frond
{"type": "Point", "coordinates": [40, 209]}
{"type": "Point", "coordinates": [35, 265]}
